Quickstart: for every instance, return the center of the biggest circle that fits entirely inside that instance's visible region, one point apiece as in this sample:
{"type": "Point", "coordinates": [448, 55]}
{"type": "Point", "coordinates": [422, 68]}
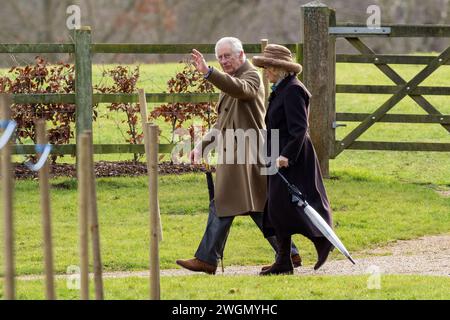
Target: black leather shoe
{"type": "Point", "coordinates": [283, 262]}
{"type": "Point", "coordinates": [323, 247]}
{"type": "Point", "coordinates": [278, 269]}
{"type": "Point", "coordinates": [296, 262]}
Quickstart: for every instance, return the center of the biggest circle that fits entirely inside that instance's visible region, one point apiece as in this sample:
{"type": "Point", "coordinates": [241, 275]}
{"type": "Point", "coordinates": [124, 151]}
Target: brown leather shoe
{"type": "Point", "coordinates": [197, 266]}
{"type": "Point", "coordinates": [296, 262]}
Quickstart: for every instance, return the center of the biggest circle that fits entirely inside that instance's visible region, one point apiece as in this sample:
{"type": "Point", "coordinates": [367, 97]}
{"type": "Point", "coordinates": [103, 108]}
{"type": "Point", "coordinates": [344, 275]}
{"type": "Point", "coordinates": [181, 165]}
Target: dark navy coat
{"type": "Point", "coordinates": [288, 112]}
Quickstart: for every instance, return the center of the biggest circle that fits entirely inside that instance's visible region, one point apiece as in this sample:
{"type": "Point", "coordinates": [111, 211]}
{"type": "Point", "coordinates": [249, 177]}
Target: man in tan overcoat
{"type": "Point", "coordinates": [240, 186]}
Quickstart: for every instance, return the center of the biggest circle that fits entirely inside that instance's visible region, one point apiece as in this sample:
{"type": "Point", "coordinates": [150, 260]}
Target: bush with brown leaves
{"type": "Point", "coordinates": [42, 77]}
{"type": "Point", "coordinates": [189, 80]}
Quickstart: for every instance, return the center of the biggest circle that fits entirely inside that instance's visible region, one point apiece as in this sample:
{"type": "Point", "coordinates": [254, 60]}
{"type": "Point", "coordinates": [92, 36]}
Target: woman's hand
{"type": "Point", "coordinates": [199, 62]}
{"type": "Point", "coordinates": [282, 162]}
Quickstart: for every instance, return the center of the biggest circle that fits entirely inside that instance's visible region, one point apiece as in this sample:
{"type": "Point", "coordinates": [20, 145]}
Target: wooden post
{"type": "Point", "coordinates": [83, 80]}
{"type": "Point", "coordinates": [264, 43]}
{"type": "Point", "coordinates": [319, 76]}
{"type": "Point", "coordinates": [46, 215]}
{"type": "Point", "coordinates": [7, 200]}
{"type": "Point", "coordinates": [94, 226]}
{"type": "Point", "coordinates": [299, 58]}
{"type": "Point", "coordinates": [143, 107]}
{"type": "Point", "coordinates": [84, 103]}
{"type": "Point", "coordinates": [153, 189]}
{"type": "Point", "coordinates": [331, 89]}
{"type": "Point", "coordinates": [83, 174]}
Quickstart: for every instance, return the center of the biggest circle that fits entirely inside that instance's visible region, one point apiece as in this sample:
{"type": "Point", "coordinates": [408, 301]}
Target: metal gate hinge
{"type": "Point", "coordinates": [335, 125]}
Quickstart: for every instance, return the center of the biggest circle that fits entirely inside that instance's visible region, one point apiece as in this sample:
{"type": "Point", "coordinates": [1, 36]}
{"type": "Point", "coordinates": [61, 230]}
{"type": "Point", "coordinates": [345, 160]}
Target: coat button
{"type": "Point", "coordinates": [226, 109]}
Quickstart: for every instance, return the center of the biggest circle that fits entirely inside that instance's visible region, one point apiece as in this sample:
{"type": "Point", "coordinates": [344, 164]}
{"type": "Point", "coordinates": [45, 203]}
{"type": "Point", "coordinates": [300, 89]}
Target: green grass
{"type": "Point", "coordinates": [429, 169]}
{"type": "Point", "coordinates": [259, 288]}
{"type": "Point", "coordinates": [368, 211]}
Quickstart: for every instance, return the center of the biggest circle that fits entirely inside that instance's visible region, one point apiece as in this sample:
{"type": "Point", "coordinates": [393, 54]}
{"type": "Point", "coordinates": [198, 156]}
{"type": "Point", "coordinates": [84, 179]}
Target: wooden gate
{"type": "Point", "coordinates": [319, 21]}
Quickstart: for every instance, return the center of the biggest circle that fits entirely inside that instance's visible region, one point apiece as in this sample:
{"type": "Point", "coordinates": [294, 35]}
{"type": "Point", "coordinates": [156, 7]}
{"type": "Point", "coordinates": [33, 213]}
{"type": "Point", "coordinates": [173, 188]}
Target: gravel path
{"type": "Point", "coordinates": [423, 256]}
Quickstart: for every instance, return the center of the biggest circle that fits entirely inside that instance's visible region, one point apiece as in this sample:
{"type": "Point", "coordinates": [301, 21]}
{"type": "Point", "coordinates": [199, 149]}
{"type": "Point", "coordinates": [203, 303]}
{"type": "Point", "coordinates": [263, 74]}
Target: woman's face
{"type": "Point", "coordinates": [271, 73]}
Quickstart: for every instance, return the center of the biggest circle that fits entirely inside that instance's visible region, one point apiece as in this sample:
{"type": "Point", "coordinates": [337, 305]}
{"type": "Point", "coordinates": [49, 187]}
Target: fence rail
{"type": "Point", "coordinates": [398, 146]}
{"type": "Point", "coordinates": [85, 99]}
{"type": "Point", "coordinates": [37, 48]}
{"type": "Point", "coordinates": [71, 149]}
{"type": "Point", "coordinates": [399, 118]}
{"type": "Point", "coordinates": [48, 98]}
{"type": "Point", "coordinates": [381, 89]}
{"type": "Point", "coordinates": [385, 59]}
{"type": "Point", "coordinates": [405, 30]}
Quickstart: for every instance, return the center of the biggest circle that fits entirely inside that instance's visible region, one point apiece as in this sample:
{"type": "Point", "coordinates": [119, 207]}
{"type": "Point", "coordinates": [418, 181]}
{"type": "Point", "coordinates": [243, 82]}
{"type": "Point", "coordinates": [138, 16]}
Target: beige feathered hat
{"type": "Point", "coordinates": [279, 56]}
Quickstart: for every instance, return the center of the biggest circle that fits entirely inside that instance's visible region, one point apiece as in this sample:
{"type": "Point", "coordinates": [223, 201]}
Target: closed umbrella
{"type": "Point", "coordinates": [299, 199]}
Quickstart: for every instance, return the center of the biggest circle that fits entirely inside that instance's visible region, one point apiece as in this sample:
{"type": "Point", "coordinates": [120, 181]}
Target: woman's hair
{"type": "Point", "coordinates": [280, 72]}
{"type": "Point", "coordinates": [235, 43]}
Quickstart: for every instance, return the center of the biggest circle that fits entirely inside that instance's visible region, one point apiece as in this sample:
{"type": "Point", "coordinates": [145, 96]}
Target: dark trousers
{"type": "Point", "coordinates": [213, 242]}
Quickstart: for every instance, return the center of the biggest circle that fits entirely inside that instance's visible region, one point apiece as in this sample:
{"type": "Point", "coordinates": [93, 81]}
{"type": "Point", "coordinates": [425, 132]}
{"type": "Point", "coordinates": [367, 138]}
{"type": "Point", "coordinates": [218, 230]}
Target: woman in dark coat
{"type": "Point", "coordinates": [297, 160]}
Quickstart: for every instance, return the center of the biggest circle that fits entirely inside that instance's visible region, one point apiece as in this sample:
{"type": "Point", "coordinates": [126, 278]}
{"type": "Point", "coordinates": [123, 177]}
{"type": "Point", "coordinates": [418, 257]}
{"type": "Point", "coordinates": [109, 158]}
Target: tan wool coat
{"type": "Point", "coordinates": [239, 188]}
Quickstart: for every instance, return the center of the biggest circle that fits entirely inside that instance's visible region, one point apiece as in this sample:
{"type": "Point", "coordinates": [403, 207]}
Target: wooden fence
{"type": "Point", "coordinates": [84, 98]}
{"type": "Point", "coordinates": [318, 57]}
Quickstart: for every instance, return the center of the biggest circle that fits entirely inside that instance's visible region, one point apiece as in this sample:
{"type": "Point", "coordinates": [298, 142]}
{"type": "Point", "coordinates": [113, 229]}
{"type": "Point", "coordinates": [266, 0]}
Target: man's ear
{"type": "Point", "coordinates": [241, 56]}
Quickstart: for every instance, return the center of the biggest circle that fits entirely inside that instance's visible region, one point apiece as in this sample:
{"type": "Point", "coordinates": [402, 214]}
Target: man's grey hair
{"type": "Point", "coordinates": [235, 43]}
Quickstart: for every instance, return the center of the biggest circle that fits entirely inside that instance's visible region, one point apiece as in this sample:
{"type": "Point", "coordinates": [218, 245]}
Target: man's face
{"type": "Point", "coordinates": [229, 61]}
